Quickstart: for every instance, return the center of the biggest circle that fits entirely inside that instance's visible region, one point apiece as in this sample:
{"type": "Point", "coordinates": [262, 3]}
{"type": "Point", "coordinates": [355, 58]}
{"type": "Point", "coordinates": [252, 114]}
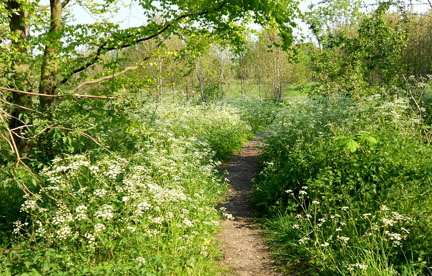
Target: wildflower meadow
{"type": "Point", "coordinates": [143, 202]}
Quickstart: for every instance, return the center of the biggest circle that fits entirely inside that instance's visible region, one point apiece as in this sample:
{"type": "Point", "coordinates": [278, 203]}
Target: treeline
{"type": "Point", "coordinates": [353, 51]}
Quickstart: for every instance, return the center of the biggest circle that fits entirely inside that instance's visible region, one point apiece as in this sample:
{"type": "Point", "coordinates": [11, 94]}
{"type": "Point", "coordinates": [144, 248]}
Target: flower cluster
{"type": "Point", "coordinates": [157, 201]}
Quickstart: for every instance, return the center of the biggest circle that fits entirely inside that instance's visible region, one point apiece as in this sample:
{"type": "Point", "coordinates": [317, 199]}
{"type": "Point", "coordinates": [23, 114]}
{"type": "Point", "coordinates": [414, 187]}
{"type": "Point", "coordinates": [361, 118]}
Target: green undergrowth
{"type": "Point", "coordinates": [257, 113]}
{"type": "Point", "coordinates": [346, 187]}
{"type": "Point", "coordinates": [140, 201]}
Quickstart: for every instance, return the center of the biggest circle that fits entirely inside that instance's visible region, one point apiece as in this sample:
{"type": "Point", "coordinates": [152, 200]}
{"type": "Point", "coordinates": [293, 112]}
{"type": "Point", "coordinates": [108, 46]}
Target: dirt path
{"type": "Point", "coordinates": [243, 247]}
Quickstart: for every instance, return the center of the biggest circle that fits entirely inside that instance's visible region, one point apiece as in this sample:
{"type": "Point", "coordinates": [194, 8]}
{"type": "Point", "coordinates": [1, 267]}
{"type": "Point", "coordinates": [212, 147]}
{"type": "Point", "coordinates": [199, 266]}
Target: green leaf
{"type": "Point", "coordinates": [352, 146]}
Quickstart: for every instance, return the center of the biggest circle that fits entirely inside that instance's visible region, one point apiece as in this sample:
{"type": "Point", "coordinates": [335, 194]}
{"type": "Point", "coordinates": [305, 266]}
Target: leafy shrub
{"type": "Point", "coordinates": [348, 186]}
{"type": "Point", "coordinates": [143, 204]}
{"type": "Point", "coordinates": [257, 113]}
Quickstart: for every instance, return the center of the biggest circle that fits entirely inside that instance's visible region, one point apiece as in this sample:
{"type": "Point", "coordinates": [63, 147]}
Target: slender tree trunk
{"type": "Point", "coordinates": [198, 73]}
{"type": "Point", "coordinates": [160, 81]}
{"type": "Point", "coordinates": [277, 91]}
{"type": "Point", "coordinates": [48, 79]}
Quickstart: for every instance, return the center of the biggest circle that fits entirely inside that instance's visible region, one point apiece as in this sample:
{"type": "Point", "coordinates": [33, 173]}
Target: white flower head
{"type": "Point", "coordinates": [98, 228]}
{"type": "Point", "coordinates": [141, 260]}
{"type": "Point", "coordinates": [187, 222]}
{"type": "Point", "coordinates": [100, 192]}
{"type": "Point", "coordinates": [325, 244]}
{"type": "Point", "coordinates": [384, 208]}
{"type": "Point", "coordinates": [342, 238]}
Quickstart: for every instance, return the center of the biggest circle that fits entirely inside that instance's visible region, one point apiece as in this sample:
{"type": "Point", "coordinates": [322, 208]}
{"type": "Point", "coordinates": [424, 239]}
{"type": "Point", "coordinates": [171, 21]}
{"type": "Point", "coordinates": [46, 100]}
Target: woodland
{"type": "Point", "coordinates": [112, 137]}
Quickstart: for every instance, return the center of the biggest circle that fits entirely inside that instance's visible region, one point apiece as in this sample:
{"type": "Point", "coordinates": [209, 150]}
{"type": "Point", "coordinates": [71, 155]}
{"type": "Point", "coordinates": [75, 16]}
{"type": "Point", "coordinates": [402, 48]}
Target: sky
{"type": "Point", "coordinates": [132, 15]}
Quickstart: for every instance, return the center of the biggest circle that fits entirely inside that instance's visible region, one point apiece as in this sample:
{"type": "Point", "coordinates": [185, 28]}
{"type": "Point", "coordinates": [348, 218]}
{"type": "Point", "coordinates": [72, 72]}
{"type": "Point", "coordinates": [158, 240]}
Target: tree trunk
{"type": "Point", "coordinates": [160, 80]}
{"type": "Point", "coordinates": [18, 26]}
{"type": "Point", "coordinates": [198, 73]}
{"type": "Point", "coordinates": [48, 79]}
{"type": "Point", "coordinates": [277, 90]}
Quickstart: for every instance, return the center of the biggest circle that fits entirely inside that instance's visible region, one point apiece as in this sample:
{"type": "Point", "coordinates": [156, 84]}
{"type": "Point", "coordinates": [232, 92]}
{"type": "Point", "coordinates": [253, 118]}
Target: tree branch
{"type": "Point", "coordinates": [103, 47]}
{"type": "Point", "coordinates": [20, 106]}
{"type": "Point", "coordinates": [64, 3]}
{"type": "Point", "coordinates": [127, 69]}
{"type": "Point", "coordinates": [58, 96]}
{"type": "Point", "coordinates": [45, 7]}
{"type": "Point", "coordinates": [81, 85]}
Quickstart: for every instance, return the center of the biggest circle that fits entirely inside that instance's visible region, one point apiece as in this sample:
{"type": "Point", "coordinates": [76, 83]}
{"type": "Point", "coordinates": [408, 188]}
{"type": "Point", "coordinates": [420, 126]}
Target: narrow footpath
{"type": "Point", "coordinates": [245, 252]}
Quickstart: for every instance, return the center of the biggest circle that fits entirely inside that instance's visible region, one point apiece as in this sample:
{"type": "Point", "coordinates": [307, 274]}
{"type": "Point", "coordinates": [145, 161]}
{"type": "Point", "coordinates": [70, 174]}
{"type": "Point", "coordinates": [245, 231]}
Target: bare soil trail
{"type": "Point", "coordinates": [245, 252]}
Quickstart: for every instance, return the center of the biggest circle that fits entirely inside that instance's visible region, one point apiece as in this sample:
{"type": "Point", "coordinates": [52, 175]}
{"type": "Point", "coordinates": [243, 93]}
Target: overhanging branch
{"type": "Point", "coordinates": [58, 96]}
{"type": "Point", "coordinates": [127, 69]}
{"type": "Point", "coordinates": [103, 48]}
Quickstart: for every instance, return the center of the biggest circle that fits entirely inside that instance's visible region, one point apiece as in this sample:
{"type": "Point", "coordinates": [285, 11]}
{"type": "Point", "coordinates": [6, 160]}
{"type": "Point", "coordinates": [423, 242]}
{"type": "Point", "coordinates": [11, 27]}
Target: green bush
{"type": "Point", "coordinates": [347, 185]}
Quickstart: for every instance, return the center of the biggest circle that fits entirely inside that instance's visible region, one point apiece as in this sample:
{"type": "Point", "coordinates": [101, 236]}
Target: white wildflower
{"type": "Point", "coordinates": [157, 220]}
{"type": "Point", "coordinates": [98, 228]}
{"type": "Point", "coordinates": [187, 222]}
{"type": "Point", "coordinates": [18, 225]}
{"type": "Point", "coordinates": [398, 216]}
{"type": "Point", "coordinates": [228, 216]}
{"type": "Point", "coordinates": [106, 212]}
{"type": "Point", "coordinates": [29, 204]}
{"type": "Point", "coordinates": [388, 221]}
{"type": "Point", "coordinates": [384, 208]}
{"type": "Point", "coordinates": [100, 192]}
{"type": "Point", "coordinates": [358, 265]}
{"type": "Point", "coordinates": [405, 230]}
{"type": "Point", "coordinates": [90, 237]}
{"type": "Point", "coordinates": [315, 202]}
{"type": "Point", "coordinates": [64, 232]}
{"type": "Point", "coordinates": [141, 260]}
{"type": "Point", "coordinates": [81, 212]}
{"type": "Point", "coordinates": [325, 244]}
{"type": "Point", "coordinates": [342, 238]}
{"type": "Point", "coordinates": [344, 208]}
{"type": "Point", "coordinates": [303, 240]}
